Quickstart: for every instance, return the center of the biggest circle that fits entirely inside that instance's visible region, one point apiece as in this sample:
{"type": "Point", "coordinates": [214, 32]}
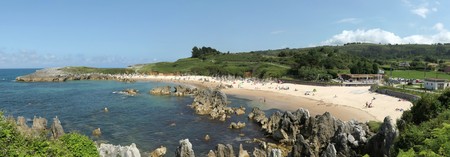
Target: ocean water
{"type": "Point", "coordinates": [147, 120]}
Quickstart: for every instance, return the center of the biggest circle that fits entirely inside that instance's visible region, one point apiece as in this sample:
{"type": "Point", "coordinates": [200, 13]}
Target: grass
{"type": "Point", "coordinates": [374, 126]}
{"type": "Point", "coordinates": [415, 74]}
{"type": "Point", "coordinates": [85, 70]}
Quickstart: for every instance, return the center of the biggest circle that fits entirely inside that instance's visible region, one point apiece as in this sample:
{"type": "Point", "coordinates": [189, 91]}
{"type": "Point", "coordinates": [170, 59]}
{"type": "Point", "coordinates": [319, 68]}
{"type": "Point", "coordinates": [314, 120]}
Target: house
{"type": "Point", "coordinates": [358, 79]}
{"type": "Point", "coordinates": [436, 84]}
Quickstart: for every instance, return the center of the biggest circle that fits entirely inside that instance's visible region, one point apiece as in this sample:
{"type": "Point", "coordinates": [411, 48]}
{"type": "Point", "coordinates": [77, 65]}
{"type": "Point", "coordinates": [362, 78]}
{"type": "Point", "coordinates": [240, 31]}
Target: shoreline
{"type": "Point", "coordinates": [286, 100]}
{"type": "Point", "coordinates": [345, 103]}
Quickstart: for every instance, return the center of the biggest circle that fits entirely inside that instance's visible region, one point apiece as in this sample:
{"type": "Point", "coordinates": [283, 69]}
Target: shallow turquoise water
{"type": "Point", "coordinates": [143, 119]}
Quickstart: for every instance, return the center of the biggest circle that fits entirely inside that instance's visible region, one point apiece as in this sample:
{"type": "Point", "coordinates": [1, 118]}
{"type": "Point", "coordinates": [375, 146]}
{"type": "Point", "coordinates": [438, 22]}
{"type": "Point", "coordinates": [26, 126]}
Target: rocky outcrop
{"type": "Point", "coordinates": [59, 75]}
{"type": "Point", "coordinates": [239, 111]}
{"type": "Point", "coordinates": [130, 92]}
{"type": "Point", "coordinates": [242, 152]}
{"type": "Point", "coordinates": [181, 90]}
{"type": "Point", "coordinates": [166, 90]}
{"type": "Point", "coordinates": [159, 152]}
{"type": "Point", "coordinates": [57, 129]}
{"type": "Point", "coordinates": [224, 151]}
{"type": "Point", "coordinates": [213, 103]}
{"type": "Point", "coordinates": [39, 127]}
{"type": "Point", "coordinates": [185, 149]}
{"type": "Point", "coordinates": [237, 125]}
{"type": "Point", "coordinates": [322, 135]}
{"type": "Point", "coordinates": [109, 150]}
{"type": "Point", "coordinates": [381, 143]}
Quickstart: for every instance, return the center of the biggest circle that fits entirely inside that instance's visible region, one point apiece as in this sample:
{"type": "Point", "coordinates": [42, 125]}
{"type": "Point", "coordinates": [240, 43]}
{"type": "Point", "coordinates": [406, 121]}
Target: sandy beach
{"type": "Point", "coordinates": [345, 103]}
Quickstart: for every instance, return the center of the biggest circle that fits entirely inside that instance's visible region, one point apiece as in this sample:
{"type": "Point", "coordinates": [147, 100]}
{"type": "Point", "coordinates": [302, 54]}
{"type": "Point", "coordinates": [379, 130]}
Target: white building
{"type": "Point", "coordinates": [435, 84]}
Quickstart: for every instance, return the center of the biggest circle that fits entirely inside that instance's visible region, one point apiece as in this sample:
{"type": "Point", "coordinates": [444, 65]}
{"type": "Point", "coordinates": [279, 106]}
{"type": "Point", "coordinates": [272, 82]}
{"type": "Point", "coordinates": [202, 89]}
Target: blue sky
{"type": "Point", "coordinates": [112, 33]}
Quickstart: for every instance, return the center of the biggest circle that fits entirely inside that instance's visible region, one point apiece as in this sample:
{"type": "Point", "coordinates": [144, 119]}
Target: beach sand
{"type": "Point", "coordinates": [345, 103]}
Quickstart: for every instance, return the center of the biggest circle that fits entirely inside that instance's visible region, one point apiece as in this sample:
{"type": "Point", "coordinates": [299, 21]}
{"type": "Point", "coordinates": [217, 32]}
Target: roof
{"type": "Point", "coordinates": [436, 80]}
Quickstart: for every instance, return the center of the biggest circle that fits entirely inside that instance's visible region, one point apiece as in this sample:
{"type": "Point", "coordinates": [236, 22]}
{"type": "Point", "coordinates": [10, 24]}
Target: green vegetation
{"type": "Point", "coordinates": [13, 143]}
{"type": "Point", "coordinates": [425, 129]}
{"type": "Point", "coordinates": [418, 74]}
{"type": "Point", "coordinates": [318, 64]}
{"type": "Point", "coordinates": [84, 70]}
{"type": "Point", "coordinates": [374, 126]}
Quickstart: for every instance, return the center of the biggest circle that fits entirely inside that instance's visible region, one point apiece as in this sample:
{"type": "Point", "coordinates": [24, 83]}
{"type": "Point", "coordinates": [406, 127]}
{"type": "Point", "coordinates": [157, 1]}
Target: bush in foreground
{"type": "Point", "coordinates": [13, 143]}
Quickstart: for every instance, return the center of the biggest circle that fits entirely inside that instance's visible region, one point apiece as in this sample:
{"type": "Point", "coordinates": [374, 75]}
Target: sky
{"type": "Point", "coordinates": [113, 33]}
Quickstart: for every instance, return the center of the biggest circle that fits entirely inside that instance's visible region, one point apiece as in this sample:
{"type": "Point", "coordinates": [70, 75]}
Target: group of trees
{"type": "Point", "coordinates": [203, 52]}
{"type": "Point", "coordinates": [364, 66]}
{"type": "Point", "coordinates": [425, 129]}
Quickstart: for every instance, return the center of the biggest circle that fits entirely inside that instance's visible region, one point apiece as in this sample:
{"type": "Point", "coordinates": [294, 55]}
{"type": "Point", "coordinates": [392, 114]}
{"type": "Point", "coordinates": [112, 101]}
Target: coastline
{"type": "Point", "coordinates": [345, 103]}
{"type": "Point", "coordinates": [345, 106]}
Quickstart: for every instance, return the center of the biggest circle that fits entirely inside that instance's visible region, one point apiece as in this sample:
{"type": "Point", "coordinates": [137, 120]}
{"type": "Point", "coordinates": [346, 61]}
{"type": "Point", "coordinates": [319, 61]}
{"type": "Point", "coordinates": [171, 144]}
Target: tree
{"type": "Point", "coordinates": [426, 108]}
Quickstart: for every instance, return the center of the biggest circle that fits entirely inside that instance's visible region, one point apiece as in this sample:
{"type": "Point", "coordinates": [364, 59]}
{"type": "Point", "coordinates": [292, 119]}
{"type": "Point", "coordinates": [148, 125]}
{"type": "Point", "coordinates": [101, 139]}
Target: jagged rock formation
{"type": "Point", "coordinates": [166, 90]}
{"type": "Point", "coordinates": [184, 90]}
{"type": "Point", "coordinates": [322, 135]}
{"type": "Point", "coordinates": [223, 151]}
{"type": "Point", "coordinates": [242, 152]}
{"type": "Point", "coordinates": [239, 111]}
{"type": "Point", "coordinates": [159, 152]}
{"type": "Point", "coordinates": [213, 103]}
{"type": "Point", "coordinates": [185, 149]}
{"type": "Point", "coordinates": [237, 125]}
{"type": "Point", "coordinates": [109, 150]}
{"type": "Point", "coordinates": [39, 127]}
{"type": "Point", "coordinates": [381, 143]}
{"type": "Point", "coordinates": [57, 129]}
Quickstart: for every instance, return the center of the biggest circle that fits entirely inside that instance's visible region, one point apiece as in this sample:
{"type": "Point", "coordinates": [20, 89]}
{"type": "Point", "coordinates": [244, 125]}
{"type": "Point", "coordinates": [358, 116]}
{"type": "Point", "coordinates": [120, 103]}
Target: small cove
{"type": "Point", "coordinates": [147, 120]}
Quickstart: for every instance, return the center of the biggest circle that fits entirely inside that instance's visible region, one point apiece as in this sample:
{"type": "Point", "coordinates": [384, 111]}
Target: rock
{"type": "Point", "coordinates": [22, 126]}
{"type": "Point", "coordinates": [96, 132]}
{"type": "Point", "coordinates": [39, 124]}
{"type": "Point", "coordinates": [184, 90]}
{"type": "Point", "coordinates": [207, 138]}
{"type": "Point", "coordinates": [310, 136]}
{"type": "Point", "coordinates": [185, 149]}
{"type": "Point", "coordinates": [242, 152]}
{"type": "Point", "coordinates": [329, 152]}
{"type": "Point", "coordinates": [57, 129]}
{"type": "Point", "coordinates": [381, 143]}
{"type": "Point", "coordinates": [161, 90]}
{"type": "Point", "coordinates": [130, 92]}
{"type": "Point", "coordinates": [240, 111]}
{"type": "Point", "coordinates": [159, 152]}
{"type": "Point", "coordinates": [109, 150]}
{"type": "Point", "coordinates": [211, 102]}
{"type": "Point", "coordinates": [225, 151]}
{"type": "Point", "coordinates": [211, 154]}
{"type": "Point", "coordinates": [275, 153]}
{"type": "Point", "coordinates": [237, 125]}
{"type": "Point", "coordinates": [259, 153]}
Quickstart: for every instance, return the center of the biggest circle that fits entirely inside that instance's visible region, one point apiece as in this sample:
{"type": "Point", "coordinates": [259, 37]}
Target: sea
{"type": "Point", "coordinates": [148, 121]}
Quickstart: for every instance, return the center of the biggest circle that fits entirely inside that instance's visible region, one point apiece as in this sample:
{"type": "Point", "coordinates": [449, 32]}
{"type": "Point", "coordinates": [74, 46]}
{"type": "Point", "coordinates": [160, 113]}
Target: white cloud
{"type": "Point", "coordinates": [349, 20]}
{"type": "Point", "coordinates": [421, 11]}
{"type": "Point", "coordinates": [385, 37]}
{"type": "Point", "coordinates": [421, 8]}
